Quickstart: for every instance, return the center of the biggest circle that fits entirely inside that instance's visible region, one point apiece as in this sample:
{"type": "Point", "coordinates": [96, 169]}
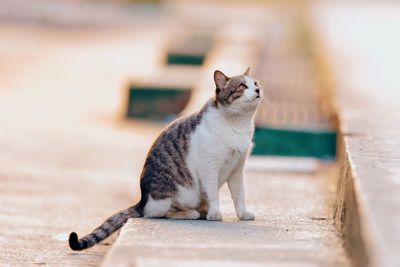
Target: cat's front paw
{"type": "Point", "coordinates": [248, 216]}
{"type": "Point", "coordinates": [214, 216]}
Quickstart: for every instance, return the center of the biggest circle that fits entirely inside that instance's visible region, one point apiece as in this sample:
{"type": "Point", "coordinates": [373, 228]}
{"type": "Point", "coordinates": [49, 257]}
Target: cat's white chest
{"type": "Point", "coordinates": [216, 147]}
{"type": "Point", "coordinates": [237, 141]}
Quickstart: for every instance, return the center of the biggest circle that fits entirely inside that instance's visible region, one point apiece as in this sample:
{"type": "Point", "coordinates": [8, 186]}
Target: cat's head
{"type": "Point", "coordinates": [238, 93]}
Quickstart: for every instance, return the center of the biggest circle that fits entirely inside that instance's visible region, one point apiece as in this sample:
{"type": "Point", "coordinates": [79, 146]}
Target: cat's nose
{"type": "Point", "coordinates": [258, 91]}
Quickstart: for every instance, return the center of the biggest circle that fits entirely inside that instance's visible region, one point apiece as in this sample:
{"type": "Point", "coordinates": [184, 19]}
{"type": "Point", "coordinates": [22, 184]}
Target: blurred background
{"type": "Point", "coordinates": [86, 86]}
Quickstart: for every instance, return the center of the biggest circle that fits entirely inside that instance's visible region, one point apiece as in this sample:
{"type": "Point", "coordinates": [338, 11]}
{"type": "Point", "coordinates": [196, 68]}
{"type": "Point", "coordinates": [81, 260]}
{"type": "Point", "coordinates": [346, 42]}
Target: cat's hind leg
{"type": "Point", "coordinates": [189, 214]}
{"type": "Point", "coordinates": [157, 208]}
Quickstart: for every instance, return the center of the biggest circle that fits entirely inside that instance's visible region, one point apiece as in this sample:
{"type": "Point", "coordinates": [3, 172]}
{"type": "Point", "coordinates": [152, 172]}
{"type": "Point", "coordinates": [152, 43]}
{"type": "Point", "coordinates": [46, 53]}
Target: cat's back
{"type": "Point", "coordinates": [178, 133]}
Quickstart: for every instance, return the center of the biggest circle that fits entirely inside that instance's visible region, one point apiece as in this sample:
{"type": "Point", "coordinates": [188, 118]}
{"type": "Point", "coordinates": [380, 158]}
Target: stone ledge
{"type": "Point", "coordinates": [368, 206]}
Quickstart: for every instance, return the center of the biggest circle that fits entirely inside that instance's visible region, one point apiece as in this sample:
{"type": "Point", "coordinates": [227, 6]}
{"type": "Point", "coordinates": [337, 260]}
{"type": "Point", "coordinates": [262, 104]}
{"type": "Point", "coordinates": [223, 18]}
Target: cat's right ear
{"type": "Point", "coordinates": [220, 79]}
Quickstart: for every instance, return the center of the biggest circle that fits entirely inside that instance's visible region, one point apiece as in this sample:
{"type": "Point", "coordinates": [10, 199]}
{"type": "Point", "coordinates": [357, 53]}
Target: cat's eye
{"type": "Point", "coordinates": [255, 83]}
{"type": "Point", "coordinates": [245, 86]}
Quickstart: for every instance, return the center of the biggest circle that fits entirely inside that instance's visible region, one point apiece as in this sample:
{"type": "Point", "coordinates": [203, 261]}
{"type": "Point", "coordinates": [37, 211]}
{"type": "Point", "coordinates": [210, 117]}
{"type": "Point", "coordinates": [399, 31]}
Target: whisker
{"type": "Point", "coordinates": [270, 105]}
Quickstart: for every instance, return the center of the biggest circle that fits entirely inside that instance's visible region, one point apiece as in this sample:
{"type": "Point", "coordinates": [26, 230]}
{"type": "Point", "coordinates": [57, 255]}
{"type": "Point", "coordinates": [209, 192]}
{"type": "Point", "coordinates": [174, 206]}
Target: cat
{"type": "Point", "coordinates": [192, 158]}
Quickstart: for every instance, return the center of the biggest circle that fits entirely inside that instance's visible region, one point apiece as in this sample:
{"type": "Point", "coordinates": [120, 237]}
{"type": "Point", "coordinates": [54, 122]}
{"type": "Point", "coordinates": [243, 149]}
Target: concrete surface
{"type": "Point", "coordinates": [293, 227]}
{"type": "Point", "coordinates": [364, 60]}
{"type": "Point", "coordinates": [66, 160]}
{"type": "Point", "coordinates": [192, 263]}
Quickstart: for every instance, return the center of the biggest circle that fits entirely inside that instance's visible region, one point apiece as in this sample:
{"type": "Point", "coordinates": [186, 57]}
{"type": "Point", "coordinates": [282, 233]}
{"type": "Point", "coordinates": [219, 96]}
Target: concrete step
{"type": "Point", "coordinates": [293, 227]}
{"type": "Point", "coordinates": [190, 49]}
{"type": "Point", "coordinates": [209, 263]}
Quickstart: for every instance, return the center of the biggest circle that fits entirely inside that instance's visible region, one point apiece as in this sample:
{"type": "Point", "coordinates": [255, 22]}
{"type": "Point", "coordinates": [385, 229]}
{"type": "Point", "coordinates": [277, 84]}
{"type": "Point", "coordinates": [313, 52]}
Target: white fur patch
{"type": "Point", "coordinates": [157, 208]}
{"type": "Point", "coordinates": [188, 197]}
{"type": "Point", "coordinates": [250, 92]}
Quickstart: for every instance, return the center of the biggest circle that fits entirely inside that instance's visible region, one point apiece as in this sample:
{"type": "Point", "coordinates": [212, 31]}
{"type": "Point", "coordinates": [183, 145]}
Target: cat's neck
{"type": "Point", "coordinates": [243, 120]}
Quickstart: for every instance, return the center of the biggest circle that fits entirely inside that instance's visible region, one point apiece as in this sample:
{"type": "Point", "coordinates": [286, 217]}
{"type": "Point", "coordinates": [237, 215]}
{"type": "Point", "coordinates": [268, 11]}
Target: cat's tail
{"type": "Point", "coordinates": [111, 225]}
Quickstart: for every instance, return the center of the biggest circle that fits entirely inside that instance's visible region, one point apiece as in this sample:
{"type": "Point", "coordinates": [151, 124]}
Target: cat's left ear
{"type": "Point", "coordinates": [220, 79]}
{"type": "Point", "coordinates": [247, 72]}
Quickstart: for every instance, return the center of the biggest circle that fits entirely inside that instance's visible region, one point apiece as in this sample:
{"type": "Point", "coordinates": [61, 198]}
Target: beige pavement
{"type": "Point", "coordinates": [66, 160]}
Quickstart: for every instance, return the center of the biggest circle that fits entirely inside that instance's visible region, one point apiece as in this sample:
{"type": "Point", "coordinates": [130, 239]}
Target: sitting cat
{"type": "Point", "coordinates": [192, 158]}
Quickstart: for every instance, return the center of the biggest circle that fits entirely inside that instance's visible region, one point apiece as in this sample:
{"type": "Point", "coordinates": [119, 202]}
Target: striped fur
{"type": "Point", "coordinates": [110, 225]}
{"type": "Point", "coordinates": [165, 167]}
{"type": "Point", "coordinates": [191, 159]}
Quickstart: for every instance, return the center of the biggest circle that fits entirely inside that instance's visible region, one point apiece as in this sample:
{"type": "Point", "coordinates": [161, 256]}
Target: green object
{"type": "Point", "coordinates": [157, 103]}
{"type": "Point", "coordinates": [185, 59]}
{"type": "Point", "coordinates": [297, 143]}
